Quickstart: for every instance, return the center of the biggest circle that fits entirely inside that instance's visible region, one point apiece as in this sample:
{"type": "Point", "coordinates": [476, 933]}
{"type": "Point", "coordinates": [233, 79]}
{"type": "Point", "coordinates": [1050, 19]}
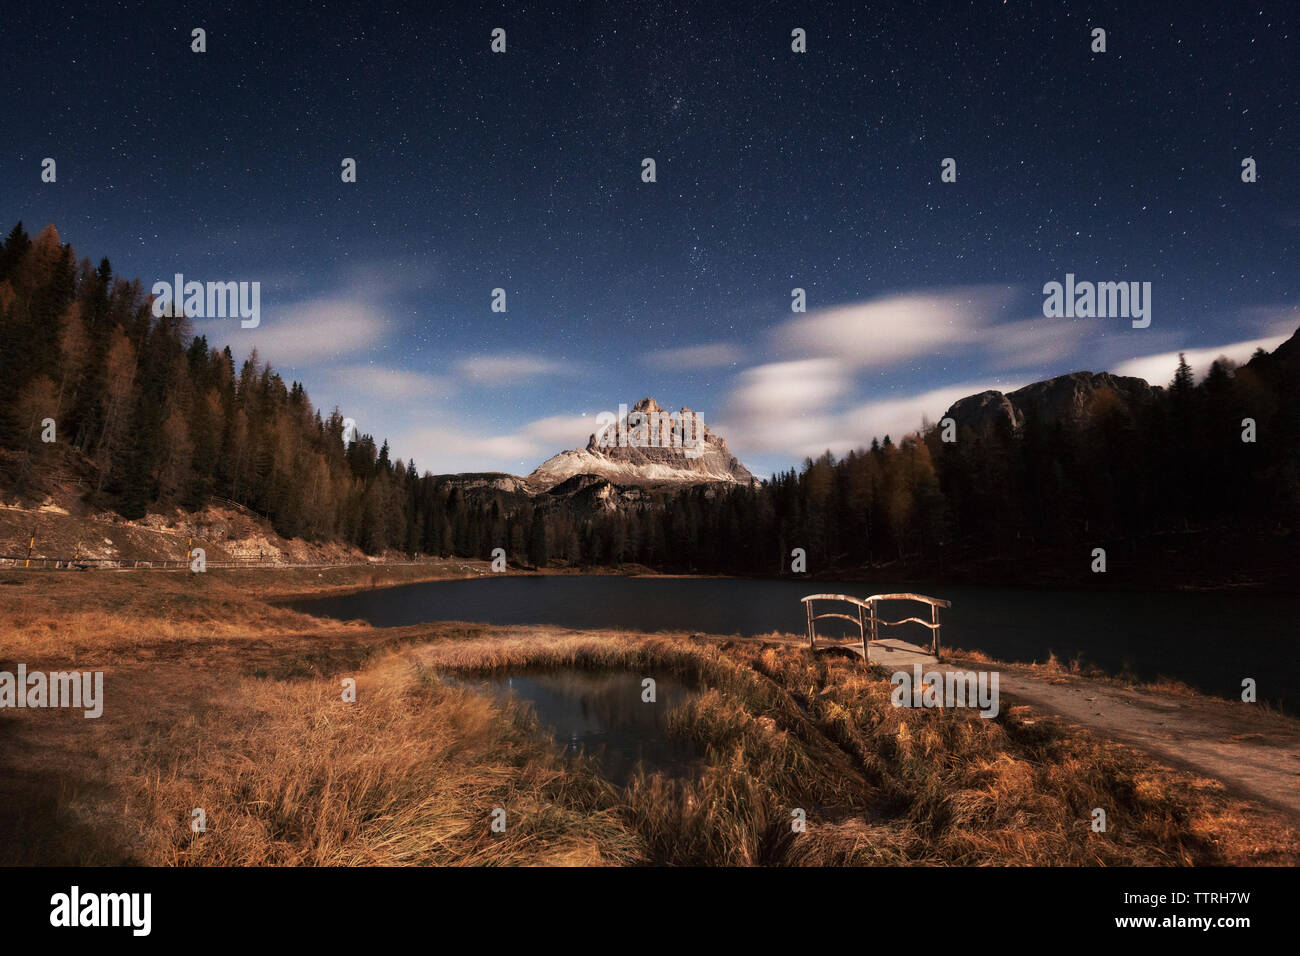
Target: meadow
{"type": "Point", "coordinates": [218, 700]}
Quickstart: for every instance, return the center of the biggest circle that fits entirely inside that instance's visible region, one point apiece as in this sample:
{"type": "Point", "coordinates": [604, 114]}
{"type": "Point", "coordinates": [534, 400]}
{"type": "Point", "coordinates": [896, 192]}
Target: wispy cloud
{"type": "Point", "coordinates": [1273, 325]}
{"type": "Point", "coordinates": [785, 406]}
{"type": "Point", "coordinates": [894, 328]}
{"type": "Point", "coordinates": [802, 409]}
{"type": "Point", "coordinates": [814, 401]}
{"type": "Point", "coordinates": [392, 277]}
{"type": "Point", "coordinates": [390, 383]}
{"type": "Point", "coordinates": [306, 333]}
{"type": "Point", "coordinates": [818, 399]}
{"type": "Point", "coordinates": [1159, 369]}
{"type": "Point", "coordinates": [444, 449]}
{"type": "Point", "coordinates": [558, 432]}
{"type": "Point", "coordinates": [1033, 343]}
{"type": "Point", "coordinates": [342, 326]}
{"type": "Point", "coordinates": [901, 415]}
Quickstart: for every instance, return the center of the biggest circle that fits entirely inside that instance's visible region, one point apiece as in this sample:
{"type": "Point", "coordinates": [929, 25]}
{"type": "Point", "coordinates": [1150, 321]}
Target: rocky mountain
{"type": "Point", "coordinates": [648, 446]}
{"type": "Point", "coordinates": [489, 481]}
{"type": "Point", "coordinates": [1064, 399]}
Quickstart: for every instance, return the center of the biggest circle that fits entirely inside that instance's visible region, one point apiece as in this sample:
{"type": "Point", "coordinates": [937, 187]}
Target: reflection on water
{"type": "Point", "coordinates": [602, 714]}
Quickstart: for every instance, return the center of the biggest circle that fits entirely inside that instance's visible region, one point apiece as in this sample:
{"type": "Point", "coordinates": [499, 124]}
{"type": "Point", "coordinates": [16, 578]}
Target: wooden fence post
{"type": "Point", "coordinates": [862, 632]}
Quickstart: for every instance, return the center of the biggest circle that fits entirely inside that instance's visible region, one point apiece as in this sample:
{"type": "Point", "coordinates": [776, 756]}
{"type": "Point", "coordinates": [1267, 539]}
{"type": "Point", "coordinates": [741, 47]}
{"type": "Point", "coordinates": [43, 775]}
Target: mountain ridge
{"type": "Point", "coordinates": [1067, 399]}
{"type": "Point", "coordinates": [1064, 399]}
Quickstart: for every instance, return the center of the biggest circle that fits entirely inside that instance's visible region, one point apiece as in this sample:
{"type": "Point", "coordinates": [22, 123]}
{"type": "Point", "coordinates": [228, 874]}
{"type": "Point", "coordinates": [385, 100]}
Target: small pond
{"type": "Point", "coordinates": [602, 714]}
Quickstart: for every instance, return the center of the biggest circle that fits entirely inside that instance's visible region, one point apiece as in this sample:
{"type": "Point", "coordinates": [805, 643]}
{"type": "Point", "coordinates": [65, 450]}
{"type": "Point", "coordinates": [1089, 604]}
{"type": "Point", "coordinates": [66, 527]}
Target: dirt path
{"type": "Point", "coordinates": [1254, 752]}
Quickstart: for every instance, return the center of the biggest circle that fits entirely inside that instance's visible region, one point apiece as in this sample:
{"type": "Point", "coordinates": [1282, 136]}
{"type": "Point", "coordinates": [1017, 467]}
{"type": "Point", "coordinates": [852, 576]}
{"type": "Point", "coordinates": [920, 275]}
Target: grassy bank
{"type": "Point", "coordinates": [220, 701]}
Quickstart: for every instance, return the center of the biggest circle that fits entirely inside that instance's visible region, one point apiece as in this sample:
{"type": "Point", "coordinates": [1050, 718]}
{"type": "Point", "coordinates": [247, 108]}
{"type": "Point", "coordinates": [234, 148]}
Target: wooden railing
{"type": "Point", "coordinates": [869, 621]}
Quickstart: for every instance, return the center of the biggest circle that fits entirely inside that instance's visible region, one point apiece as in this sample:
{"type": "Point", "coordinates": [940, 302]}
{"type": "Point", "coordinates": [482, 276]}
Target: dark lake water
{"type": "Point", "coordinates": [603, 714]}
{"type": "Point", "coordinates": [1209, 641]}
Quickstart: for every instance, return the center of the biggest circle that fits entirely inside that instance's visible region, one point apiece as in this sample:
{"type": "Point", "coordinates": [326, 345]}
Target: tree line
{"type": "Point", "coordinates": [158, 417]}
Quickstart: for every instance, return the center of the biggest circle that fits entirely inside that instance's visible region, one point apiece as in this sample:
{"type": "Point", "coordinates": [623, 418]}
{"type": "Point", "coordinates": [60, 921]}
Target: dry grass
{"type": "Point", "coordinates": [786, 730]}
{"type": "Point", "coordinates": [409, 774]}
{"type": "Point", "coordinates": [226, 703]}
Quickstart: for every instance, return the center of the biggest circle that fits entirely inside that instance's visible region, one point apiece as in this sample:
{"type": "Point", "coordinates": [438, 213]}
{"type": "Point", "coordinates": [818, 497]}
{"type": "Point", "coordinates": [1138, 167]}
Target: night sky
{"type": "Point", "coordinates": [775, 170]}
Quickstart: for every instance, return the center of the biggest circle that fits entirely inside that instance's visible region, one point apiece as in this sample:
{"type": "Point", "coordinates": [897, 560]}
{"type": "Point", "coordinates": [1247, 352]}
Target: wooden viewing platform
{"type": "Point", "coordinates": [870, 622]}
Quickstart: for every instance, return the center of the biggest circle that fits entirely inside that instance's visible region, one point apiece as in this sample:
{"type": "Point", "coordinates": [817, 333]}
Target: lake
{"type": "Point", "coordinates": [1210, 641]}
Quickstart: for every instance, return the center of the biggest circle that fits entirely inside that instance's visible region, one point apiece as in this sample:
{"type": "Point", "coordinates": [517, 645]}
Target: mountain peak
{"type": "Point", "coordinates": [647, 445]}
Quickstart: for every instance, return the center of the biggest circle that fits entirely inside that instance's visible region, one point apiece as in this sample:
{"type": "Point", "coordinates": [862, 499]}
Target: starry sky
{"type": "Point", "coordinates": [775, 170]}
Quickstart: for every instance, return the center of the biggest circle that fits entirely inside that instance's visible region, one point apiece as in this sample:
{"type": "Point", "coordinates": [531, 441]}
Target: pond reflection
{"type": "Point", "coordinates": [603, 714]}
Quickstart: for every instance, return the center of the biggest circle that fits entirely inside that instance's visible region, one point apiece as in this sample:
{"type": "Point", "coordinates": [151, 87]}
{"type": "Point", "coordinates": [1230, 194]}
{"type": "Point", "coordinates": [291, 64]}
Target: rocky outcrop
{"type": "Point", "coordinates": [1065, 400]}
{"type": "Point", "coordinates": [592, 493]}
{"type": "Point", "coordinates": [648, 446]}
{"type": "Point", "coordinates": [487, 481]}
{"type": "Point", "coordinates": [983, 411]}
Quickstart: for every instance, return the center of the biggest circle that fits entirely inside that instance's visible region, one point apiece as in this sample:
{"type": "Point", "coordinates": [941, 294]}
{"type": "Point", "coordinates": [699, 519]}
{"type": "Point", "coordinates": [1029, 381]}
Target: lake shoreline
{"type": "Point", "coordinates": [1143, 637]}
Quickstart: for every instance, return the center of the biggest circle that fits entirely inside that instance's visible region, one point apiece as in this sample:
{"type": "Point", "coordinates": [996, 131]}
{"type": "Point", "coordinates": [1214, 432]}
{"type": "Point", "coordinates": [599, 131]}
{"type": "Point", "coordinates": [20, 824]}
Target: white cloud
{"type": "Point", "coordinates": [306, 333]}
{"type": "Point", "coordinates": [560, 432]}
{"type": "Point", "coordinates": [341, 326]}
{"type": "Point", "coordinates": [812, 396]}
{"type": "Point", "coordinates": [712, 355]}
{"type": "Point", "coordinates": [784, 406]}
{"type": "Point", "coordinates": [443, 449]}
{"type": "Point", "coordinates": [894, 328]}
{"type": "Point", "coordinates": [1159, 369]}
{"type": "Point", "coordinates": [814, 421]}
{"type": "Point", "coordinates": [804, 406]}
